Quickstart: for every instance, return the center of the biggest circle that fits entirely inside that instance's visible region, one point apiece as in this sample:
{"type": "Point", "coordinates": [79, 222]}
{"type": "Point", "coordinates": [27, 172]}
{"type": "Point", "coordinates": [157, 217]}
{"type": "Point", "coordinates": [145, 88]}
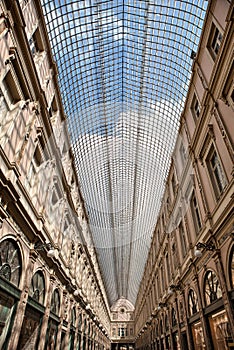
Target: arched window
{"type": "Point", "coordinates": [192, 302]}
{"type": "Point", "coordinates": [231, 268]}
{"type": "Point", "coordinates": [37, 287]}
{"type": "Point", "coordinates": [55, 302]}
{"type": "Point", "coordinates": [10, 261]}
{"type": "Point", "coordinates": [173, 318]}
{"type": "Point", "coordinates": [212, 288]}
{"type": "Point", "coordinates": [73, 316]}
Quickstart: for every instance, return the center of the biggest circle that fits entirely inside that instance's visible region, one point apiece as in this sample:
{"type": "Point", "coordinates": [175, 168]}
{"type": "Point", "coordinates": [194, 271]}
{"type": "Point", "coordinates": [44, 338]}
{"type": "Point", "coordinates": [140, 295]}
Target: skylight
{"type": "Point", "coordinates": [124, 68]}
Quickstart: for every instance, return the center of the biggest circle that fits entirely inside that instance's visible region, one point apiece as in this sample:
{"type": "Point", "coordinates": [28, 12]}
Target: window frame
{"type": "Point", "coordinates": [192, 302]}
{"type": "Point", "coordinates": [211, 288]}
{"type": "Point", "coordinates": [218, 180]}
{"type": "Point", "coordinates": [214, 40]}
{"type": "Point", "coordinates": [184, 243]}
{"type": "Point", "coordinates": [195, 107]}
{"type": "Point", "coordinates": [196, 214]}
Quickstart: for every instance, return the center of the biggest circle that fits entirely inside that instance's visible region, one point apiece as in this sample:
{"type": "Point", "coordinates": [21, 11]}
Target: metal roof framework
{"type": "Point", "coordinates": [124, 69]}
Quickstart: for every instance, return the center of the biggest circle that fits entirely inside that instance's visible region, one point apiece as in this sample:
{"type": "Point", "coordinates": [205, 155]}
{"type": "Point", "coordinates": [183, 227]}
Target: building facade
{"type": "Point", "coordinates": [186, 297]}
{"type": "Point", "coordinates": [52, 294]}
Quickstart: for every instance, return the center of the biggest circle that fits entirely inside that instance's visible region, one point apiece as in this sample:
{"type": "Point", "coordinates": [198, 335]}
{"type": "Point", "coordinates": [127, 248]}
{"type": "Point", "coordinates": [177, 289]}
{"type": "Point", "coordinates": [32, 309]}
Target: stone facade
{"type": "Point", "coordinates": [186, 296]}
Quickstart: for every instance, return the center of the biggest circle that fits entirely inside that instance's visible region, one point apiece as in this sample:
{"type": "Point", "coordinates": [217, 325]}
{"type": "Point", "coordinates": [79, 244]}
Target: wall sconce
{"type": "Point", "coordinates": [76, 292]}
{"type": "Point", "coordinates": [173, 288]}
{"type": "Point", "coordinates": [160, 305]}
{"type": "Point", "coordinates": [43, 246]}
{"type": "Point", "coordinates": [206, 246]}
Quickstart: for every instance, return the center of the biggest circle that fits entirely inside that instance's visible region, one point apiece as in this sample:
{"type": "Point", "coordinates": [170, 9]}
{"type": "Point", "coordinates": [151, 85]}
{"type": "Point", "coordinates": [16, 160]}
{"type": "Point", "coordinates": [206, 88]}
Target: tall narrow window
{"type": "Point", "coordinates": [212, 288]}
{"type": "Point", "coordinates": [216, 172]}
{"type": "Point", "coordinates": [36, 43]}
{"type": "Point", "coordinates": [195, 212]}
{"type": "Point", "coordinates": [214, 41]}
{"type": "Point", "coordinates": [183, 239]}
{"type": "Point", "coordinates": [37, 287]}
{"type": "Point", "coordinates": [168, 267]}
{"type": "Point", "coordinates": [195, 107]}
{"type": "Point", "coordinates": [173, 184]}
{"type": "Point", "coordinates": [192, 302]}
{"type": "Point", "coordinates": [182, 154]}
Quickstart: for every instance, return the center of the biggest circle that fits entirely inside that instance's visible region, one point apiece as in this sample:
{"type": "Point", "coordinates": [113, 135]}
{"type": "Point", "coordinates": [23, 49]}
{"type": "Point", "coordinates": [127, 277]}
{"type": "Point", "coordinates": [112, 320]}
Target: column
{"type": "Point", "coordinates": [46, 316]}
{"type": "Point", "coordinates": [59, 333]}
{"type": "Point", "coordinates": [203, 320]}
{"type": "Point", "coordinates": [77, 328]}
{"type": "Point", "coordinates": [223, 285]}
{"type": "Point", "coordinates": [187, 326]}
{"type": "Point", "coordinates": [19, 317]}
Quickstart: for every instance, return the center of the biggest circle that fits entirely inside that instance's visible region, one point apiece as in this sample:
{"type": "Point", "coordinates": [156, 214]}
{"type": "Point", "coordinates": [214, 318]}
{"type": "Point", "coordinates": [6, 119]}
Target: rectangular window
{"type": "Point", "coordinates": [195, 107]}
{"type": "Point", "coordinates": [182, 239]}
{"type": "Point", "coordinates": [173, 184]}
{"type": "Point", "coordinates": [121, 332]}
{"type": "Point", "coordinates": [168, 267]}
{"type": "Point", "coordinates": [228, 89]}
{"type": "Point", "coordinates": [36, 43]}
{"type": "Point", "coordinates": [216, 172]}
{"type": "Point", "coordinates": [182, 154]}
{"type": "Point", "coordinates": [195, 212]}
{"type": "Point", "coordinates": [214, 41]}
{"type": "Point", "coordinates": [174, 256]}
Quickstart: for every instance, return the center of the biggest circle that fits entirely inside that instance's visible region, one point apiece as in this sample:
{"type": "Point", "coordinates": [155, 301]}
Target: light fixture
{"type": "Point", "coordinates": [206, 246]}
{"type": "Point", "coordinates": [87, 307]}
{"type": "Point", "coordinates": [43, 246]}
{"type": "Point", "coordinates": [51, 253]}
{"type": "Point", "coordinates": [76, 292]}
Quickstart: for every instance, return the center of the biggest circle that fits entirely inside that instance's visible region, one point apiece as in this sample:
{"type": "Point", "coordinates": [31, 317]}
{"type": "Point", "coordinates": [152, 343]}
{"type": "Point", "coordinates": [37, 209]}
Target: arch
{"type": "Point", "coordinates": [192, 302]}
{"type": "Point", "coordinates": [37, 287]}
{"type": "Point", "coordinates": [10, 261]}
{"type": "Point", "coordinates": [55, 302]}
{"type": "Point", "coordinates": [212, 290]}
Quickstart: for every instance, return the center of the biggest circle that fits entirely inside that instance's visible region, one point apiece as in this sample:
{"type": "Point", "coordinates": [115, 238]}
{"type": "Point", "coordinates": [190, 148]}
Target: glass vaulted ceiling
{"type": "Point", "coordinates": [124, 69]}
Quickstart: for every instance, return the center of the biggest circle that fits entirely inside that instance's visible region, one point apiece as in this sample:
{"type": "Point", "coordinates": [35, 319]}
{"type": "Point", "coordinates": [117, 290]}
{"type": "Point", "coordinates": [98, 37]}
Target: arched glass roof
{"type": "Point", "coordinates": [124, 69]}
